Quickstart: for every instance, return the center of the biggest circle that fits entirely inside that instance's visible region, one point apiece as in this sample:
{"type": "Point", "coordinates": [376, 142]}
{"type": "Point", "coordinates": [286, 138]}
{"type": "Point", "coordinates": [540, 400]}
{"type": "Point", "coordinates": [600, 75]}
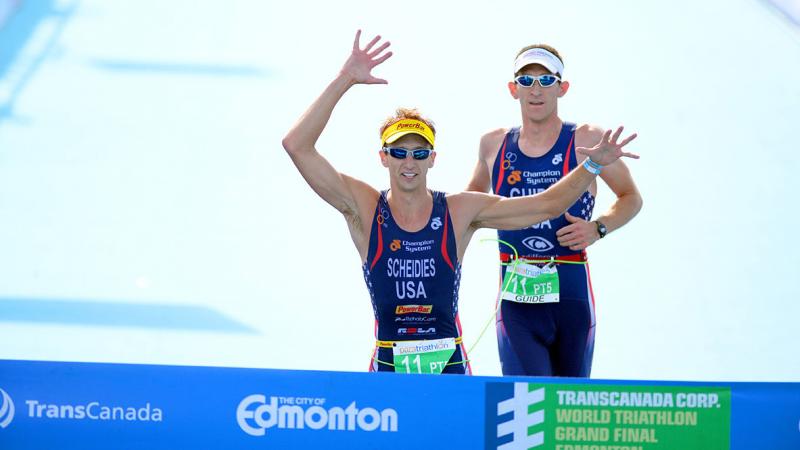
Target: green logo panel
{"type": "Point", "coordinates": [612, 417]}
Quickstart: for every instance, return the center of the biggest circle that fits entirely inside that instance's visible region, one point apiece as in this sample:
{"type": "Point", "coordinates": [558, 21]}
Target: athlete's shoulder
{"type": "Point", "coordinates": [587, 135]}
{"type": "Point", "coordinates": [496, 133]}
{"type": "Point", "coordinates": [490, 142]}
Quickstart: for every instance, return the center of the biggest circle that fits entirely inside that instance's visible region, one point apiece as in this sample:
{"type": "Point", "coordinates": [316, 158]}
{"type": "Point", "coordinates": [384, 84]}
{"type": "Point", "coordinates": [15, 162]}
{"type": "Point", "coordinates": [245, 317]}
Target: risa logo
{"type": "Point", "coordinates": [538, 244]}
{"type": "Point", "coordinates": [436, 223]}
{"type": "Point", "coordinates": [6, 409]}
{"type": "Point", "coordinates": [558, 159]}
{"type": "Point", "coordinates": [416, 331]}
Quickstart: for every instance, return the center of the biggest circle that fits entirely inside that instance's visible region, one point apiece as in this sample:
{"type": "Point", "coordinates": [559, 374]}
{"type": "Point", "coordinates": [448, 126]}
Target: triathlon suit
{"type": "Point", "coordinates": [546, 339]}
{"type": "Point", "coordinates": [413, 280]}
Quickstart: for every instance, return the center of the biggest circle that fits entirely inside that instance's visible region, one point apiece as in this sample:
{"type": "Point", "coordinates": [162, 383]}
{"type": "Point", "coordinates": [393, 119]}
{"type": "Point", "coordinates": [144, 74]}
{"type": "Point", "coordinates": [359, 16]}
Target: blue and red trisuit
{"type": "Point", "coordinates": [413, 280]}
{"type": "Point", "coordinates": [541, 332]}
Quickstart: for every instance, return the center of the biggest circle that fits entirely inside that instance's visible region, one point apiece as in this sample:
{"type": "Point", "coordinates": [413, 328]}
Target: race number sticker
{"type": "Point", "coordinates": [528, 283]}
{"type": "Point", "coordinates": [423, 356]}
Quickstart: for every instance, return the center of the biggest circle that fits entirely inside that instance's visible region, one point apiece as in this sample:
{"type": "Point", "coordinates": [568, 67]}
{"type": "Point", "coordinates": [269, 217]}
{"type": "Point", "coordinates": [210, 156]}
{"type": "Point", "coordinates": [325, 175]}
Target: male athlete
{"type": "Point", "coordinates": [553, 336]}
{"type": "Point", "coordinates": [412, 239]}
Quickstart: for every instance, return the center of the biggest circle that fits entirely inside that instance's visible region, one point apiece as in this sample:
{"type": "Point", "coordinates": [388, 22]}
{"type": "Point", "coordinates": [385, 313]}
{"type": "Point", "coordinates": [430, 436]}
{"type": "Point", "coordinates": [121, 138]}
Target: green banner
{"type": "Point", "coordinates": [615, 417]}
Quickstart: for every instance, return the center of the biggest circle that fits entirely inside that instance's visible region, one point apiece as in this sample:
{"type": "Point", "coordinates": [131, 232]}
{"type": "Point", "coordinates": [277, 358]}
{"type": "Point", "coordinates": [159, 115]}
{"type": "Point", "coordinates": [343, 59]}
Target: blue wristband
{"type": "Point", "coordinates": [592, 166]}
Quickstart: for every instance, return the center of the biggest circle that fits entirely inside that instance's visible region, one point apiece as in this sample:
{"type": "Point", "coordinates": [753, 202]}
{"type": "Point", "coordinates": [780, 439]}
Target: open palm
{"type": "Point", "coordinates": [608, 149]}
{"type": "Point", "coordinates": [361, 62]}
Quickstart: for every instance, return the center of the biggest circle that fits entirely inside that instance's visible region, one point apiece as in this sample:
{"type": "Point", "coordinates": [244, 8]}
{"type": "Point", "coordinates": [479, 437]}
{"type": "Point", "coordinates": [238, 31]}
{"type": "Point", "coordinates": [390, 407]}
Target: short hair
{"type": "Point", "coordinates": [544, 47]}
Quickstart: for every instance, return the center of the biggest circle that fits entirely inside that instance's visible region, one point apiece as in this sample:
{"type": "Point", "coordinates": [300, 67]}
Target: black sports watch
{"type": "Point", "coordinates": [601, 229]}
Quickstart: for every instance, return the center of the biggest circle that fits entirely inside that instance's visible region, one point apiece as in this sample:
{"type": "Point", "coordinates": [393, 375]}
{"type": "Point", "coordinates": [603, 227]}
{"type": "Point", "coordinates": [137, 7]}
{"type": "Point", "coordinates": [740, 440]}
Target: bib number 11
{"type": "Point", "coordinates": [527, 283]}
{"type": "Point", "coordinates": [415, 362]}
{"type": "Point", "coordinates": [423, 356]}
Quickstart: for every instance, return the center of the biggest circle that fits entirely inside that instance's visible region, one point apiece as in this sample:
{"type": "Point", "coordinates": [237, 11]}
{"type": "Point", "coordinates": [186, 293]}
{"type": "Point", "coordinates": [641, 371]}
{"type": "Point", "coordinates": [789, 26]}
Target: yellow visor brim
{"type": "Point", "coordinates": [404, 127]}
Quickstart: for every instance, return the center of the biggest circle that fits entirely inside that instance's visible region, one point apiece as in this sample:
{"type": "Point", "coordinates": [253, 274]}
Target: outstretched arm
{"type": "Point", "coordinates": [519, 212]}
{"type": "Point", "coordinates": [300, 142]}
{"type": "Point", "coordinates": [580, 233]}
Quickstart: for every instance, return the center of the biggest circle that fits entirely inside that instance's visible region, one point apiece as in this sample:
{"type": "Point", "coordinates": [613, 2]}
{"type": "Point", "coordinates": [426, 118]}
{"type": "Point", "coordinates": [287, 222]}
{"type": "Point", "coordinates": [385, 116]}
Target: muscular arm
{"type": "Point", "coordinates": [490, 211]}
{"type": "Point", "coordinates": [482, 175]}
{"type": "Point", "coordinates": [580, 234]}
{"type": "Point", "coordinates": [506, 213]}
{"type": "Point", "coordinates": [628, 202]}
{"type": "Point", "coordinates": [300, 144]}
{"type": "Point", "coordinates": [353, 198]}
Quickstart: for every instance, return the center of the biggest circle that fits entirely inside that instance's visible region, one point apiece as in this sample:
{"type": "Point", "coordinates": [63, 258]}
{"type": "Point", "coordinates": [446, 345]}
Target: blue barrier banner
{"type": "Point", "coordinates": [62, 405]}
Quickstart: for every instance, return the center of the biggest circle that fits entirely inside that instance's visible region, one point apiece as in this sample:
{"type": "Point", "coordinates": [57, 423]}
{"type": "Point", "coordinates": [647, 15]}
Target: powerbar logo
{"type": "Point", "coordinates": [254, 415]}
{"type": "Point", "coordinates": [403, 126]}
{"type": "Point", "coordinates": [409, 309]}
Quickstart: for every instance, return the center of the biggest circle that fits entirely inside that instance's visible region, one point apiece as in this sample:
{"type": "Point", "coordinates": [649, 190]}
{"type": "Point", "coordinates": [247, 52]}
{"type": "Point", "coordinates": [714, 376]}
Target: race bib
{"type": "Point", "coordinates": [423, 356]}
{"type": "Point", "coordinates": [528, 283]}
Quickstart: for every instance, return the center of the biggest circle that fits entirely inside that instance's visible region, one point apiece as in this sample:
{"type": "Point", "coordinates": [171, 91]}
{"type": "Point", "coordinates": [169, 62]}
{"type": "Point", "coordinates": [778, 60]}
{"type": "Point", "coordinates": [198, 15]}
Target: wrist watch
{"type": "Point", "coordinates": [601, 229]}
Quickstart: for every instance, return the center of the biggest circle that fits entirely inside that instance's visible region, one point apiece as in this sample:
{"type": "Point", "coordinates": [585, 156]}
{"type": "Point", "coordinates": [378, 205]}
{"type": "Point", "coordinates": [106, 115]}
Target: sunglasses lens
{"type": "Point", "coordinates": [399, 153]}
{"type": "Point", "coordinates": [525, 80]}
{"type": "Point", "coordinates": [422, 153]}
{"type": "Point", "coordinates": [544, 80]}
{"type": "Point", "coordinates": [547, 80]}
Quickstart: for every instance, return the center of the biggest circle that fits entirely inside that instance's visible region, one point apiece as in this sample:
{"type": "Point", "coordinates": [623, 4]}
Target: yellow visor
{"type": "Point", "coordinates": [404, 127]}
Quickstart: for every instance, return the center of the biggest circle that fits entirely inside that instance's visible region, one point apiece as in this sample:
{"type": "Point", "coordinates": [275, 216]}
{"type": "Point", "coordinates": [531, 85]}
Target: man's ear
{"type": "Point", "coordinates": [563, 88]}
{"type": "Point", "coordinates": [383, 157]}
{"type": "Point", "coordinates": [512, 89]}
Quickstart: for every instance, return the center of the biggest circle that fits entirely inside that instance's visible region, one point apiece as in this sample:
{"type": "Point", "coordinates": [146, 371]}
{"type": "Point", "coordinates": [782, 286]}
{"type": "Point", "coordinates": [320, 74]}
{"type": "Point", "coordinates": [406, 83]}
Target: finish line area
{"type": "Point", "coordinates": [65, 405]}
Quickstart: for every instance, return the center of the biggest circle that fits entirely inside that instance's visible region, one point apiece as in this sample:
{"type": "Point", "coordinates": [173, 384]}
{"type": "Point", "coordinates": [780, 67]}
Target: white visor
{"type": "Point", "coordinates": [539, 56]}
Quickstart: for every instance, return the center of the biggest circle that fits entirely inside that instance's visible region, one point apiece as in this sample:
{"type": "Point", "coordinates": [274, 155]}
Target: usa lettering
{"type": "Point", "coordinates": [409, 289]}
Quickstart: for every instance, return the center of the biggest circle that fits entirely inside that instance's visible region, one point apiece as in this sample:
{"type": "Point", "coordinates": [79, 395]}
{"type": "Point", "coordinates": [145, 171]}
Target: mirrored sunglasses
{"type": "Point", "coordinates": [545, 80]}
{"type": "Point", "coordinates": [402, 153]}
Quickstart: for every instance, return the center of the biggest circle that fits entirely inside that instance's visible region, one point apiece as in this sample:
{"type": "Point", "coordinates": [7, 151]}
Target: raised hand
{"type": "Point", "coordinates": [608, 149]}
{"type": "Point", "coordinates": [361, 62]}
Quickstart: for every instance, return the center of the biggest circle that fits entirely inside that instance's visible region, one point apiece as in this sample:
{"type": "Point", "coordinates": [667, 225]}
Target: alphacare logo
{"type": "Point", "coordinates": [254, 415]}
{"type": "Point", "coordinates": [6, 409]}
{"type": "Point", "coordinates": [511, 411]}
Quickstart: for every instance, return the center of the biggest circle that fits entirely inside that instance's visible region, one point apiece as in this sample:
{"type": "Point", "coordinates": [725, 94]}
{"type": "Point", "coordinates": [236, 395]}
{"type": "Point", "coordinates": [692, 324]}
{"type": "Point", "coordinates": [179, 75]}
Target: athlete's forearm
{"type": "Point", "coordinates": [480, 181]}
{"type": "Point", "coordinates": [519, 212]}
{"type": "Point", "coordinates": [306, 131]}
{"type": "Point", "coordinates": [560, 196]}
{"type": "Point", "coordinates": [625, 208]}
